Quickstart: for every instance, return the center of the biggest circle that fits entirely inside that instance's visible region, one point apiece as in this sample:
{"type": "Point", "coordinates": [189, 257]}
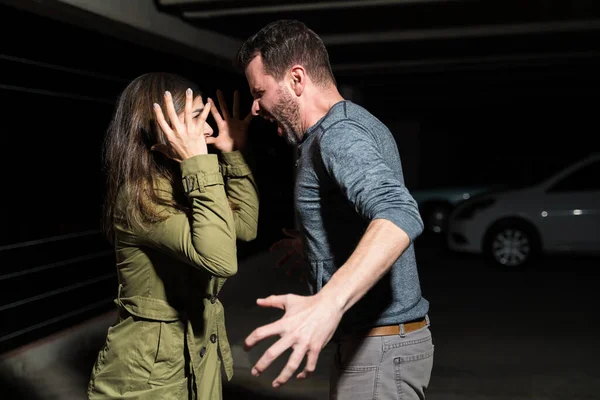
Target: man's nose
{"type": "Point", "coordinates": [255, 108]}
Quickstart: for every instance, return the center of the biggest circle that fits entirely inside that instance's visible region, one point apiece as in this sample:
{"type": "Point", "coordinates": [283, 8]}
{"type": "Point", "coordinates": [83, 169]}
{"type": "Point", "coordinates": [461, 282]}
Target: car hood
{"type": "Point", "coordinates": [514, 196]}
{"type": "Point", "coordinates": [453, 195]}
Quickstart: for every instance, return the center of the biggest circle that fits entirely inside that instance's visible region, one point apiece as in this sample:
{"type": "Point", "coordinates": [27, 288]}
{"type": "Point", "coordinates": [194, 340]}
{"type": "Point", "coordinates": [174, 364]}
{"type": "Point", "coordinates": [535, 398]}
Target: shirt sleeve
{"type": "Point", "coordinates": [351, 156]}
{"type": "Point", "coordinates": [206, 238]}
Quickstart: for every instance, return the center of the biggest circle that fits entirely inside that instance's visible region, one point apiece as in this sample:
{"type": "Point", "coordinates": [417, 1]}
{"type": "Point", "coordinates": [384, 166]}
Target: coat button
{"type": "Point", "coordinates": [213, 299]}
{"type": "Point", "coordinates": [202, 351]}
{"type": "Point", "coordinates": [213, 338]}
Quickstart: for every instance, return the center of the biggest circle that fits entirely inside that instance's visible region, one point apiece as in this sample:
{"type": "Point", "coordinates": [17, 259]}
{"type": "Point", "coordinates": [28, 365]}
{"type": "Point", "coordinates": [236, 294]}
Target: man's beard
{"type": "Point", "coordinates": [287, 114]}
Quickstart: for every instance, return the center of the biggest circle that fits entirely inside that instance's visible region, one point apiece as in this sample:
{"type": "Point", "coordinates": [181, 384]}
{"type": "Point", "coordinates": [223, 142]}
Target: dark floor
{"type": "Point", "coordinates": [528, 334]}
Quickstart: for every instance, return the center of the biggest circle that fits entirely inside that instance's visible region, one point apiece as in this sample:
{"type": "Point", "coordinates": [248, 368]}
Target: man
{"type": "Point", "coordinates": [358, 222]}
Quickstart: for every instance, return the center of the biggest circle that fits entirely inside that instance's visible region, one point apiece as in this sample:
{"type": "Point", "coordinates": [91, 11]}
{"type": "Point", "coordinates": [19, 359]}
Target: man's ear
{"type": "Point", "coordinates": [298, 79]}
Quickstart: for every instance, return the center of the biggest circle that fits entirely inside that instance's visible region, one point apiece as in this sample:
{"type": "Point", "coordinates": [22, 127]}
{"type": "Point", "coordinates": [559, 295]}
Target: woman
{"type": "Point", "coordinates": [173, 212]}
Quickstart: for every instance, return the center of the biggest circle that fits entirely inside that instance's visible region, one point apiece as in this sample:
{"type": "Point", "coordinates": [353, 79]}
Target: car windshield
{"type": "Point", "coordinates": [512, 172]}
{"type": "Point", "coordinates": [540, 170]}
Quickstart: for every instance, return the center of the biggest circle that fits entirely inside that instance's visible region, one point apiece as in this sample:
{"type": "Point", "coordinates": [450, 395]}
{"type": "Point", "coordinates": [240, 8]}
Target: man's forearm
{"type": "Point", "coordinates": [381, 245]}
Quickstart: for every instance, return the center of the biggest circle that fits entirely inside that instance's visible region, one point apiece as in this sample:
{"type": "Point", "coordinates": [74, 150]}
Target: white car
{"type": "Point", "coordinates": [559, 215]}
{"type": "Point", "coordinates": [436, 203]}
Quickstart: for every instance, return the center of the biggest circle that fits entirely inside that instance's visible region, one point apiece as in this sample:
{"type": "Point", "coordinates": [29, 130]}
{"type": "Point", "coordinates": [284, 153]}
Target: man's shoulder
{"type": "Point", "coordinates": [345, 112]}
{"type": "Point", "coordinates": [349, 126]}
{"type": "Point", "coordinates": [335, 136]}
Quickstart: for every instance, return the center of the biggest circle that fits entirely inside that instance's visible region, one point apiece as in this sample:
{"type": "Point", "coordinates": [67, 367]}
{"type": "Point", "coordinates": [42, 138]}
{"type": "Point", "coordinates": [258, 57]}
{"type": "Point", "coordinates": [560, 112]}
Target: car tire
{"type": "Point", "coordinates": [435, 217]}
{"type": "Point", "coordinates": [512, 243]}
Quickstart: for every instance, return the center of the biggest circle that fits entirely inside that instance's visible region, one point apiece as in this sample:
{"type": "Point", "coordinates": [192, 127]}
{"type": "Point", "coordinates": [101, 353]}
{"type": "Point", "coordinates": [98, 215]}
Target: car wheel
{"type": "Point", "coordinates": [435, 217]}
{"type": "Point", "coordinates": [512, 243]}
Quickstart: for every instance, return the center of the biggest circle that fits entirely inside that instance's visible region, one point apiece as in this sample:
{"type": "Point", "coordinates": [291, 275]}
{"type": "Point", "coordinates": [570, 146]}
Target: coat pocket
{"type": "Point", "coordinates": [100, 360]}
{"type": "Point", "coordinates": [165, 336]}
{"type": "Point", "coordinates": [169, 360]}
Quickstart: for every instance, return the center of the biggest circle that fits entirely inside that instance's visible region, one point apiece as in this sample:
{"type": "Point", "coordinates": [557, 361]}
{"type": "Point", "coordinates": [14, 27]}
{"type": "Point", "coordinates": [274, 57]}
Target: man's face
{"type": "Point", "coordinates": [274, 101]}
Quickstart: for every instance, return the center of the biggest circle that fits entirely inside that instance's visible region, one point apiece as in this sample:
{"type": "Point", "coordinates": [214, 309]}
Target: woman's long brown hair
{"type": "Point", "coordinates": [130, 166]}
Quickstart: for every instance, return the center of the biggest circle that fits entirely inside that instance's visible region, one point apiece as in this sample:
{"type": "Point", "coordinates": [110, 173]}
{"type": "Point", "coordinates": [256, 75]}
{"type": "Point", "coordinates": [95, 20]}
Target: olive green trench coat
{"type": "Point", "coordinates": [169, 341]}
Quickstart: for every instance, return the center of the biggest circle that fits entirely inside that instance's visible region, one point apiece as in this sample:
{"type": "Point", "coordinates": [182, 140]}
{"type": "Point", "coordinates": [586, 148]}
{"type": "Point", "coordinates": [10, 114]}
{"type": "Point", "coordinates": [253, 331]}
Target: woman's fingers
{"type": "Point", "coordinates": [160, 118]}
{"type": "Point", "coordinates": [188, 116]}
{"type": "Point", "coordinates": [171, 113]}
{"type": "Point", "coordinates": [204, 114]}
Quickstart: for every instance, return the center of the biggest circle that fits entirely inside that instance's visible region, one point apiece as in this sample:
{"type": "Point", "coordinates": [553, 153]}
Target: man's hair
{"type": "Point", "coordinates": [284, 43]}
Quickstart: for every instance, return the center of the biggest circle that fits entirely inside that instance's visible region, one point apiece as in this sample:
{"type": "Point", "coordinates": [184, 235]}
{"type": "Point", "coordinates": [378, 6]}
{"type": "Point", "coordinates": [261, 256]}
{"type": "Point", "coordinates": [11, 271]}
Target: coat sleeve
{"type": "Point", "coordinates": [205, 239]}
{"type": "Point", "coordinates": [242, 193]}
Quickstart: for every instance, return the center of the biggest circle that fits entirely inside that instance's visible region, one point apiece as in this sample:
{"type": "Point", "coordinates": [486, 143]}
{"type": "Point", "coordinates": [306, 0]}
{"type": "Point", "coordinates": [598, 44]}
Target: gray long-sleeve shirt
{"type": "Point", "coordinates": [349, 173]}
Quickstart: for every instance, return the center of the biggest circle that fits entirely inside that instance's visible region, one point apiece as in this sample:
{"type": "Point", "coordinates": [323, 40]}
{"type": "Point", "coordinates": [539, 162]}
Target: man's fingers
{"type": "Point", "coordinates": [273, 301]}
{"type": "Point", "coordinates": [262, 333]}
{"type": "Point", "coordinates": [281, 244]}
{"type": "Point", "coordinates": [291, 232]}
{"type": "Point", "coordinates": [270, 355]}
{"type": "Point", "coordinates": [311, 364]}
{"type": "Point", "coordinates": [215, 113]}
{"type": "Point", "coordinates": [292, 365]}
{"type": "Point", "coordinates": [285, 258]}
{"type": "Point", "coordinates": [210, 139]}
{"type": "Point", "coordinates": [277, 245]}
{"type": "Point", "coordinates": [223, 104]}
{"type": "Point", "coordinates": [236, 104]}
{"type": "Point", "coordinates": [248, 118]}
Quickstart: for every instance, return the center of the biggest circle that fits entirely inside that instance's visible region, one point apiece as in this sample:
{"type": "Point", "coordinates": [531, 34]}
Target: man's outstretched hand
{"type": "Point", "coordinates": [306, 327]}
{"type": "Point", "coordinates": [293, 256]}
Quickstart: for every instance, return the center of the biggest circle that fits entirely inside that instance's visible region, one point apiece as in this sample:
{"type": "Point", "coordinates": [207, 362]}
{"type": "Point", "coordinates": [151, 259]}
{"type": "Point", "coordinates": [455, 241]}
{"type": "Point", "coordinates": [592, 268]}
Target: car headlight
{"type": "Point", "coordinates": [469, 210]}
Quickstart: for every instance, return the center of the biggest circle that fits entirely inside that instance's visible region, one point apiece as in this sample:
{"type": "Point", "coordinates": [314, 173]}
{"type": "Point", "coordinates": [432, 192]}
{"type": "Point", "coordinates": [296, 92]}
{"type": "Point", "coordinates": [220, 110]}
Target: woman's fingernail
{"type": "Point", "coordinates": [156, 106]}
{"type": "Point", "coordinates": [168, 94]}
{"type": "Point", "coordinates": [188, 92]}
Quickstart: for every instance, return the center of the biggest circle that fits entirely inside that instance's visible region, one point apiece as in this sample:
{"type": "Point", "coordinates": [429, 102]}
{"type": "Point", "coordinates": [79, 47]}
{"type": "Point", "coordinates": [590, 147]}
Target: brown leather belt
{"type": "Point", "coordinates": [395, 329]}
